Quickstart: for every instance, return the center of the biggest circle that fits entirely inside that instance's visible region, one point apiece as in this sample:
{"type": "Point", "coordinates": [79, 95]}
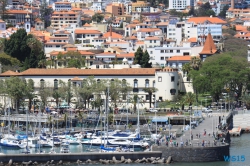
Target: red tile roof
{"type": "Point", "coordinates": [209, 46]}
{"type": "Point", "coordinates": [214, 20]}
{"type": "Point", "coordinates": [180, 58]}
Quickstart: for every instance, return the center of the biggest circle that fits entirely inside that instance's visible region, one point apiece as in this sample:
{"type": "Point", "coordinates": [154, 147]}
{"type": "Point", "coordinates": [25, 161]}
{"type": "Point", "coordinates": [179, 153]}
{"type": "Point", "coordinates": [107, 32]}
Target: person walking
{"type": "Point", "coordinates": [167, 143]}
{"type": "Point", "coordinates": [199, 135]}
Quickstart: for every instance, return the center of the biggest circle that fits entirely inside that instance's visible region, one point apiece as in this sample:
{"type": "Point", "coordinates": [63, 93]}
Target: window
{"type": "Point", "coordinates": [154, 84]}
{"type": "Point", "coordinates": [42, 83]}
{"type": "Point", "coordinates": [162, 51]}
{"type": "Point", "coordinates": [124, 83]}
{"type": "Point", "coordinates": [172, 79]}
{"type": "Point", "coordinates": [124, 97]}
{"type": "Point", "coordinates": [146, 83]}
{"type": "Point", "coordinates": [159, 79]}
{"type": "Point", "coordinates": [171, 51]}
{"type": "Point", "coordinates": [178, 51]}
{"type": "Point", "coordinates": [172, 91]}
{"type": "Point", "coordinates": [147, 97]}
{"type": "Point", "coordinates": [151, 52]}
{"type": "Point", "coordinates": [55, 84]}
{"type": "Point", "coordinates": [162, 58]}
{"type": "Point", "coordinates": [150, 41]}
{"type": "Point", "coordinates": [135, 83]}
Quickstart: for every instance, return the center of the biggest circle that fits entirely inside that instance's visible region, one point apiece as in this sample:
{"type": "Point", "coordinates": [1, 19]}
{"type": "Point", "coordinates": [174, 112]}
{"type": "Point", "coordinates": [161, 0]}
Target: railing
{"type": "Point", "coordinates": [197, 144]}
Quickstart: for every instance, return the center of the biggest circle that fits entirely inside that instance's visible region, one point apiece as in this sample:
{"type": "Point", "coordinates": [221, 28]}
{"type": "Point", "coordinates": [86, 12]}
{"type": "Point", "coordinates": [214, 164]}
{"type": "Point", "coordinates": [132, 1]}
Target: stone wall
{"type": "Point", "coordinates": [77, 156]}
{"type": "Point", "coordinates": [194, 154]}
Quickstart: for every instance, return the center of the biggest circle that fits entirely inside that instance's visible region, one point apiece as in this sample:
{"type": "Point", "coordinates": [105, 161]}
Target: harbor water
{"type": "Point", "coordinates": [239, 147]}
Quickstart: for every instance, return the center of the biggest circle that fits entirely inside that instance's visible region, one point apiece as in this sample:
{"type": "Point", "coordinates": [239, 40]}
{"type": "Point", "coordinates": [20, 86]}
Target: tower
{"type": "Point", "coordinates": [27, 23]}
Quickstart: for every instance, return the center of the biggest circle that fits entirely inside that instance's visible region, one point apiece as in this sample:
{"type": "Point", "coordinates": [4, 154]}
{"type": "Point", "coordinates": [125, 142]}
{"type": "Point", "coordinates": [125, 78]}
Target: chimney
{"type": "Point", "coordinates": [232, 4]}
{"type": "Point", "coordinates": [110, 27]}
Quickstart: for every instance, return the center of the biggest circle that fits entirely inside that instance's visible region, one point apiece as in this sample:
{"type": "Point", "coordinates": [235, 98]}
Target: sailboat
{"type": "Point", "coordinates": [11, 141]}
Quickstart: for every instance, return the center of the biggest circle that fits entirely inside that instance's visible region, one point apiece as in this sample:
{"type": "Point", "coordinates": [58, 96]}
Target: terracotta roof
{"type": "Point", "coordinates": [162, 24]}
{"type": "Point", "coordinates": [192, 39]}
{"type": "Point", "coordinates": [18, 12]}
{"type": "Point", "coordinates": [131, 38]}
{"type": "Point", "coordinates": [129, 55]}
{"type": "Point", "coordinates": [152, 38]}
{"type": "Point", "coordinates": [84, 31]}
{"type": "Point", "coordinates": [76, 79]}
{"type": "Point", "coordinates": [148, 29]}
{"type": "Point", "coordinates": [140, 42]}
{"type": "Point", "coordinates": [72, 49]}
{"type": "Point", "coordinates": [114, 35]}
{"type": "Point", "coordinates": [10, 73]}
{"type": "Point", "coordinates": [240, 28]}
{"type": "Point", "coordinates": [209, 46]}
{"type": "Point", "coordinates": [87, 25]}
{"type": "Point", "coordinates": [214, 20]}
{"type": "Point", "coordinates": [88, 72]}
{"type": "Point", "coordinates": [179, 58]}
{"type": "Point", "coordinates": [62, 2]}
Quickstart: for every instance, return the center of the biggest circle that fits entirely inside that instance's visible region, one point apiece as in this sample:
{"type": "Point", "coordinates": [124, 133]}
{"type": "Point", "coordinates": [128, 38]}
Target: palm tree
{"type": "Point", "coordinates": [150, 91]}
{"type": "Point", "coordinates": [189, 98]}
{"type": "Point", "coordinates": [186, 68]}
{"type": "Point", "coordinates": [65, 118]}
{"type": "Point", "coordinates": [195, 62]}
{"type": "Point", "coordinates": [80, 118]}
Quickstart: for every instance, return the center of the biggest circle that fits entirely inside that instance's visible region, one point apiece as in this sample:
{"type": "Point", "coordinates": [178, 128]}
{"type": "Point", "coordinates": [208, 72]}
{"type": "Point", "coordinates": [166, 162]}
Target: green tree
{"type": "Point", "coordinates": [3, 9]}
{"type": "Point", "coordinates": [65, 91]}
{"type": "Point", "coordinates": [138, 56]}
{"type": "Point", "coordinates": [8, 62]}
{"type": "Point", "coordinates": [223, 12]}
{"type": "Point", "coordinates": [45, 13]}
{"type": "Point", "coordinates": [29, 91]}
{"type": "Point", "coordinates": [189, 98]}
{"type": "Point", "coordinates": [16, 46]}
{"type": "Point", "coordinates": [145, 60]}
{"type": "Point", "coordinates": [15, 89]}
{"type": "Point", "coordinates": [97, 17]}
{"type": "Point", "coordinates": [150, 91]}
{"type": "Point", "coordinates": [45, 91]}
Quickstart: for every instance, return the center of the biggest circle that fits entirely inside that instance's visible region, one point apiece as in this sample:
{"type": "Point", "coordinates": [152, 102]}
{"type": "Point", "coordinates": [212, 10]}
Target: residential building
{"type": "Point", "coordinates": [64, 18]}
{"type": "Point", "coordinates": [174, 33]}
{"type": "Point", "coordinates": [89, 37]}
{"type": "Point", "coordinates": [58, 6]}
{"type": "Point", "coordinates": [2, 25]}
{"type": "Point", "coordinates": [180, 4]}
{"type": "Point", "coordinates": [139, 6]}
{"type": "Point", "coordinates": [18, 16]}
{"type": "Point", "coordinates": [142, 33]}
{"type": "Point", "coordinates": [116, 9]}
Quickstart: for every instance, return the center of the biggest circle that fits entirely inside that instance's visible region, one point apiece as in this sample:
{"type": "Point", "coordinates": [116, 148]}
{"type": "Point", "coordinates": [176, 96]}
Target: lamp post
{"type": "Point", "coordinates": [190, 122]}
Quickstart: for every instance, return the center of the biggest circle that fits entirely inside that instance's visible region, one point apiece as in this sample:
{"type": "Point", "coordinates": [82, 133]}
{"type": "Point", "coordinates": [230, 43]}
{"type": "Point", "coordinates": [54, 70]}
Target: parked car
{"type": "Point", "coordinates": [152, 110]}
{"type": "Point", "coordinates": [207, 110]}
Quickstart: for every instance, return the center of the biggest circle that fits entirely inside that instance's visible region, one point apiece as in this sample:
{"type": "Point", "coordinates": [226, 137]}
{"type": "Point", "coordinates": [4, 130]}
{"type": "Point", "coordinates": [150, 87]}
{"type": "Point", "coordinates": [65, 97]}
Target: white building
{"type": "Point", "coordinates": [180, 4]}
{"type": "Point", "coordinates": [164, 80]}
{"type": "Point", "coordinates": [58, 6]}
{"type": "Point", "coordinates": [174, 33]}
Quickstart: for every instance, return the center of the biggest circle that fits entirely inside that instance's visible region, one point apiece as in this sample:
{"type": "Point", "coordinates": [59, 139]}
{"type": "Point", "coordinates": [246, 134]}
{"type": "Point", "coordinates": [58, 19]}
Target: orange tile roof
{"type": "Point", "coordinates": [214, 20]}
{"type": "Point", "coordinates": [240, 28]}
{"type": "Point", "coordinates": [245, 34]}
{"type": "Point", "coordinates": [140, 42]}
{"type": "Point", "coordinates": [131, 38]}
{"type": "Point", "coordinates": [152, 38]}
{"type": "Point", "coordinates": [63, 12]}
{"type": "Point", "coordinates": [84, 31]}
{"type": "Point", "coordinates": [192, 39]}
{"type": "Point", "coordinates": [72, 49]}
{"type": "Point", "coordinates": [129, 55]}
{"type": "Point", "coordinates": [76, 79]}
{"type": "Point", "coordinates": [179, 58]}
{"type": "Point", "coordinates": [209, 46]}
{"type": "Point", "coordinates": [162, 24]}
{"type": "Point", "coordinates": [114, 35]}
{"type": "Point", "coordinates": [18, 12]}
{"type": "Point", "coordinates": [87, 72]}
{"type": "Point", "coordinates": [10, 73]}
{"type": "Point", "coordinates": [87, 25]}
{"type": "Point", "coordinates": [86, 53]}
{"type": "Point", "coordinates": [76, 9]}
{"type": "Point", "coordinates": [148, 29]}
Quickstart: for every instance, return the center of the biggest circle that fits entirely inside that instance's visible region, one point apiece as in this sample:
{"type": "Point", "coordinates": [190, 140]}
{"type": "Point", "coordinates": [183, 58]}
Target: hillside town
{"type": "Point", "coordinates": [143, 43]}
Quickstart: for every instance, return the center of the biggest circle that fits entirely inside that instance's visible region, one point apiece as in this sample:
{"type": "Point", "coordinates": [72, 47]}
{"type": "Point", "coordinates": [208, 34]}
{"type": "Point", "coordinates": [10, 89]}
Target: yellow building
{"type": "Point", "coordinates": [139, 6]}
{"type": "Point", "coordinates": [116, 9]}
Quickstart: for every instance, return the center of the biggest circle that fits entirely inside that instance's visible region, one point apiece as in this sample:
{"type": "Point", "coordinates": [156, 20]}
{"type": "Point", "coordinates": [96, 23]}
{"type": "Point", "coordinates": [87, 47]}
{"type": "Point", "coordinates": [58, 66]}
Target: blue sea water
{"type": "Point", "coordinates": [240, 146]}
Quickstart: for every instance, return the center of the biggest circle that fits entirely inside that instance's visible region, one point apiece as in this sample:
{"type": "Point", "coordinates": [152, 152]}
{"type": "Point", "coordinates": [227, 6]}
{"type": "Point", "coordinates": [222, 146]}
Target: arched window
{"type": "Point", "coordinates": [98, 81]}
{"type": "Point", "coordinates": [154, 84]}
{"type": "Point", "coordinates": [135, 83]}
{"type": "Point", "coordinates": [172, 91]}
{"type": "Point", "coordinates": [55, 84]}
{"type": "Point", "coordinates": [124, 83]}
{"type": "Point", "coordinates": [146, 83]}
{"type": "Point", "coordinates": [42, 83]}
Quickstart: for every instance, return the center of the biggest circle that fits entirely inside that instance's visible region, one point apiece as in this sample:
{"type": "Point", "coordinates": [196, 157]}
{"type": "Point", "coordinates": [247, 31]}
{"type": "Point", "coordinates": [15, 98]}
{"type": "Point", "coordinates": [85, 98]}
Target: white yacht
{"type": "Point", "coordinates": [64, 148]}
{"type": "Point", "coordinates": [10, 142]}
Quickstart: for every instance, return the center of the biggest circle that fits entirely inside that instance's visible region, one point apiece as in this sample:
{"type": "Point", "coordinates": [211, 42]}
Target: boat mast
{"type": "Point", "coordinates": [27, 146]}
{"type": "Point", "coordinates": [138, 116]}
{"type": "Point", "coordinates": [107, 110]}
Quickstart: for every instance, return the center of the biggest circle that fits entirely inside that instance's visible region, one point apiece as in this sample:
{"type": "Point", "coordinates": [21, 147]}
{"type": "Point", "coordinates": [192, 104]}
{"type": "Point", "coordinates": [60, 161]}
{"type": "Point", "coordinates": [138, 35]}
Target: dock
{"type": "Point", "coordinates": [241, 123]}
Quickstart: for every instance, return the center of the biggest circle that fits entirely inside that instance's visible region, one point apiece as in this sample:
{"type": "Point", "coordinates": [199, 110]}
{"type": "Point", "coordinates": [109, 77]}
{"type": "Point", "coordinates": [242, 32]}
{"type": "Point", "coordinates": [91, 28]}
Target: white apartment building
{"type": "Point", "coordinates": [214, 29]}
{"type": "Point", "coordinates": [89, 37]}
{"type": "Point", "coordinates": [174, 33]}
{"type": "Point", "coordinates": [180, 4]}
{"type": "Point", "coordinates": [64, 18]}
{"type": "Point", "coordinates": [142, 33]}
{"type": "Point", "coordinates": [59, 39]}
{"type": "Point", "coordinates": [190, 30]}
{"type": "Point", "coordinates": [159, 55]}
{"type": "Point", "coordinates": [152, 41]}
{"type": "Point", "coordinates": [58, 6]}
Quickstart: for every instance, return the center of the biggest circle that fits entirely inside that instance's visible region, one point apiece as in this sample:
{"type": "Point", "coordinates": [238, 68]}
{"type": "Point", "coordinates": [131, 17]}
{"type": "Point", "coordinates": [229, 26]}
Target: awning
{"type": "Point", "coordinates": [160, 119]}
